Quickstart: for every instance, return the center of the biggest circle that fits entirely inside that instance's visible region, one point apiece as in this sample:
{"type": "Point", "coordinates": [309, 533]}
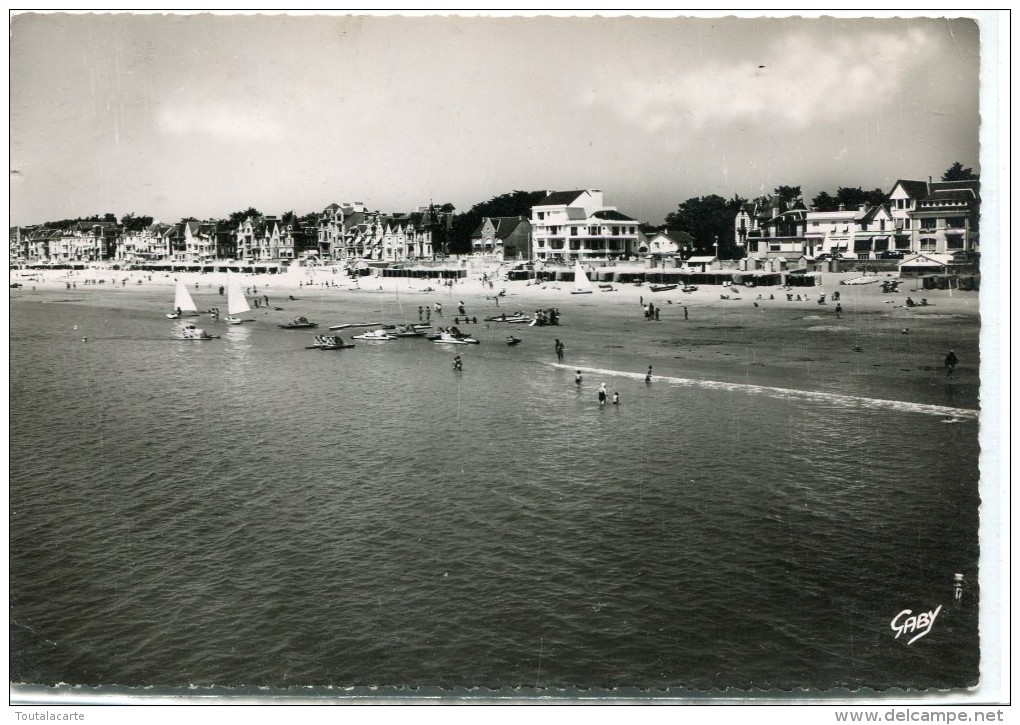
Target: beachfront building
{"type": "Point", "coordinates": [667, 244]}
{"type": "Point", "coordinates": [757, 220]}
{"type": "Point", "coordinates": [331, 230]}
{"type": "Point", "coordinates": [777, 233]}
{"type": "Point", "coordinates": [348, 233]}
{"type": "Point", "coordinates": [87, 241]}
{"type": "Point", "coordinates": [269, 239]}
{"type": "Point", "coordinates": [577, 226]}
{"type": "Point", "coordinates": [19, 244]}
{"type": "Point", "coordinates": [936, 217]}
{"type": "Point", "coordinates": [200, 241]}
{"type": "Point", "coordinates": [873, 234]}
{"type": "Point", "coordinates": [503, 237]}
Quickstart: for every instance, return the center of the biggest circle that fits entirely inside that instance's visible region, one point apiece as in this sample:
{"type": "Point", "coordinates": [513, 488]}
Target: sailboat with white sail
{"type": "Point", "coordinates": [183, 304]}
{"type": "Point", "coordinates": [237, 303]}
{"type": "Point", "coordinates": [582, 285]}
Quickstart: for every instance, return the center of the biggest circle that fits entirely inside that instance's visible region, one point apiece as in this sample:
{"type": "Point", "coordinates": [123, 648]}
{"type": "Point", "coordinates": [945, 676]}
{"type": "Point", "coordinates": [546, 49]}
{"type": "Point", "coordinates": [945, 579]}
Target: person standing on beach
{"type": "Point", "coordinates": [648, 375]}
{"type": "Point", "coordinates": [578, 379]}
{"type": "Point", "coordinates": [457, 364]}
{"type": "Point", "coordinates": [839, 310]}
{"type": "Point", "coordinates": [439, 310]}
{"type": "Point", "coordinates": [559, 350]}
{"type": "Point", "coordinates": [460, 308]}
{"type": "Point", "coordinates": [951, 363]}
{"type": "Point", "coordinates": [616, 398]}
{"type": "Point", "coordinates": [685, 312]}
{"type": "Point", "coordinates": [602, 395]}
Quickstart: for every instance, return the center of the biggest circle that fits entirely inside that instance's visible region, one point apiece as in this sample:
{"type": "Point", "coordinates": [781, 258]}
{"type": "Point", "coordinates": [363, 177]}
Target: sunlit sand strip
{"type": "Point", "coordinates": [788, 393]}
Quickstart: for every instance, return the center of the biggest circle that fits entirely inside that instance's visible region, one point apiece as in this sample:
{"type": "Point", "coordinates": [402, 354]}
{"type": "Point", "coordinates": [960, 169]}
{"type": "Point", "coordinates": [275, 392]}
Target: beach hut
{"type": "Point", "coordinates": [923, 264]}
{"type": "Point", "coordinates": [702, 264]}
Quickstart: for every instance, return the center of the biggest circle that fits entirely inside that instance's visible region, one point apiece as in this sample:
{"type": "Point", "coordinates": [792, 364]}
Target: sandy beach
{"type": "Point", "coordinates": [877, 348]}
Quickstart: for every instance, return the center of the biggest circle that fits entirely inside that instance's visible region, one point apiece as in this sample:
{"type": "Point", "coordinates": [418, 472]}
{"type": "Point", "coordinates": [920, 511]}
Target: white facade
{"type": "Point", "coordinates": [577, 226]}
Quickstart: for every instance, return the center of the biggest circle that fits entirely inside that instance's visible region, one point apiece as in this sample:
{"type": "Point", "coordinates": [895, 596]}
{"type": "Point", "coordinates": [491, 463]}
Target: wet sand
{"type": "Point", "coordinates": [877, 348]}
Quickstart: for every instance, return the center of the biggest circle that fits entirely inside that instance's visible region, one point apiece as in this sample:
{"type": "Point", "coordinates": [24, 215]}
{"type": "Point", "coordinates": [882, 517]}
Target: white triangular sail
{"type": "Point", "coordinates": [582, 285]}
{"type": "Point", "coordinates": [236, 301]}
{"type": "Point", "coordinates": [182, 299]}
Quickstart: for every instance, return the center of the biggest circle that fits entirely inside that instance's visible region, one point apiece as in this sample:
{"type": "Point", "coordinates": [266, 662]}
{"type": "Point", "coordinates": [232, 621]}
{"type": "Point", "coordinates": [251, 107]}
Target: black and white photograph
{"type": "Point", "coordinates": [488, 358]}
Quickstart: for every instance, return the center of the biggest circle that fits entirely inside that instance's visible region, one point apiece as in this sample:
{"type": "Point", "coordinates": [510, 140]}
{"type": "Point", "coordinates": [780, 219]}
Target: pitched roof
{"type": "Point", "coordinates": [560, 198]}
{"type": "Point", "coordinates": [919, 189]}
{"type": "Point", "coordinates": [505, 225]}
{"type": "Point", "coordinates": [677, 235]}
{"type": "Point", "coordinates": [613, 215]}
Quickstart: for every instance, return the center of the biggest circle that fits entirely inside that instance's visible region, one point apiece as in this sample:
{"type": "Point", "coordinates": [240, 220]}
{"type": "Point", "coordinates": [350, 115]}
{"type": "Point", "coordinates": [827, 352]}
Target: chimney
{"type": "Point", "coordinates": [863, 207]}
{"type": "Point", "coordinates": [929, 185]}
{"type": "Point", "coordinates": [842, 207]}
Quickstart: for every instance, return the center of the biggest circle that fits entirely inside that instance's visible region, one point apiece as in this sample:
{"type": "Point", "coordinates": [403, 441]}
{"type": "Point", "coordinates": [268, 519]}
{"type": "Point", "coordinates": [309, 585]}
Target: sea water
{"type": "Point", "coordinates": [246, 512]}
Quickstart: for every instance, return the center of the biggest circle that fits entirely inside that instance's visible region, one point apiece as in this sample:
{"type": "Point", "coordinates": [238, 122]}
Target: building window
{"type": "Point", "coordinates": [541, 215]}
{"type": "Point", "coordinates": [573, 231]}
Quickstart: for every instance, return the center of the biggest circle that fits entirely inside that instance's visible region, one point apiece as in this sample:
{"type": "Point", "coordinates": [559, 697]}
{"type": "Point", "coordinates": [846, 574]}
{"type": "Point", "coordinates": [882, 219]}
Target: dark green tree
{"type": "Point", "coordinates": [825, 202]}
{"type": "Point", "coordinates": [239, 216]}
{"type": "Point", "coordinates": [709, 219]}
{"type": "Point", "coordinates": [132, 223]}
{"type": "Point", "coordinates": [787, 193]}
{"type": "Point", "coordinates": [956, 172]}
{"type": "Point", "coordinates": [852, 197]}
{"type": "Point", "coordinates": [516, 203]}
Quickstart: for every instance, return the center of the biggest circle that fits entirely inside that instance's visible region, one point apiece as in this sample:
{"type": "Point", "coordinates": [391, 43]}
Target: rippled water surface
{"type": "Point", "coordinates": [247, 512]}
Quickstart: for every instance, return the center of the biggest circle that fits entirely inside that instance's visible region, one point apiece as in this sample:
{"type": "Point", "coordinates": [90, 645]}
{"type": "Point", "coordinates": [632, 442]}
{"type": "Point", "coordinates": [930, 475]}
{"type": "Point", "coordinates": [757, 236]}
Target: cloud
{"type": "Point", "coordinates": [797, 80]}
{"type": "Point", "coordinates": [220, 122]}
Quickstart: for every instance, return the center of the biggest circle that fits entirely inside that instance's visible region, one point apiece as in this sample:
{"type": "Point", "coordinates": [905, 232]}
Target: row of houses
{"type": "Point", "coordinates": [340, 233]}
{"type": "Point", "coordinates": [563, 226]}
{"type": "Point", "coordinates": [920, 217]}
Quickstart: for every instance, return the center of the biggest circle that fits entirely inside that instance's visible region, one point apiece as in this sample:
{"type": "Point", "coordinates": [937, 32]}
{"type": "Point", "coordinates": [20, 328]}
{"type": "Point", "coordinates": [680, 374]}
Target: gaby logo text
{"type": "Point", "coordinates": [906, 622]}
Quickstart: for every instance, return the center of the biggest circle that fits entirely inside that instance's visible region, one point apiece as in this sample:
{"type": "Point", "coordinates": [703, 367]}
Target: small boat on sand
{"type": "Point", "coordinates": [349, 325]}
{"type": "Point", "coordinates": [329, 342]}
{"type": "Point", "coordinates": [582, 285]}
{"type": "Point", "coordinates": [513, 340]}
{"type": "Point", "coordinates": [298, 323]}
{"type": "Point", "coordinates": [445, 338]}
{"type": "Point", "coordinates": [516, 318]}
{"type": "Point", "coordinates": [661, 287]}
{"type": "Point", "coordinates": [375, 335]}
{"type": "Point", "coordinates": [407, 331]}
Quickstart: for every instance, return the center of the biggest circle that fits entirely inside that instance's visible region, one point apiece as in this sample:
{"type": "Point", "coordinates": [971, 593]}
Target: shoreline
{"type": "Point", "coordinates": [877, 349]}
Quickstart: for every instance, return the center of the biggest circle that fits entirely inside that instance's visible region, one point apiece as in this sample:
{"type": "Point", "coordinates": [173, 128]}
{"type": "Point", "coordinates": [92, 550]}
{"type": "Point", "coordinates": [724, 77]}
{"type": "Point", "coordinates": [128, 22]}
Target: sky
{"type": "Point", "coordinates": [202, 115]}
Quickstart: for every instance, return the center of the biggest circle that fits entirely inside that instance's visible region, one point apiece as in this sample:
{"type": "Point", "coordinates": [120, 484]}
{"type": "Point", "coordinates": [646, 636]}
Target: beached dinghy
{"type": "Point", "coordinates": [329, 342]}
{"type": "Point", "coordinates": [445, 338]}
{"type": "Point", "coordinates": [375, 335]}
{"type": "Point", "coordinates": [298, 323]}
{"type": "Point", "coordinates": [349, 325]}
{"type": "Point", "coordinates": [582, 285]}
